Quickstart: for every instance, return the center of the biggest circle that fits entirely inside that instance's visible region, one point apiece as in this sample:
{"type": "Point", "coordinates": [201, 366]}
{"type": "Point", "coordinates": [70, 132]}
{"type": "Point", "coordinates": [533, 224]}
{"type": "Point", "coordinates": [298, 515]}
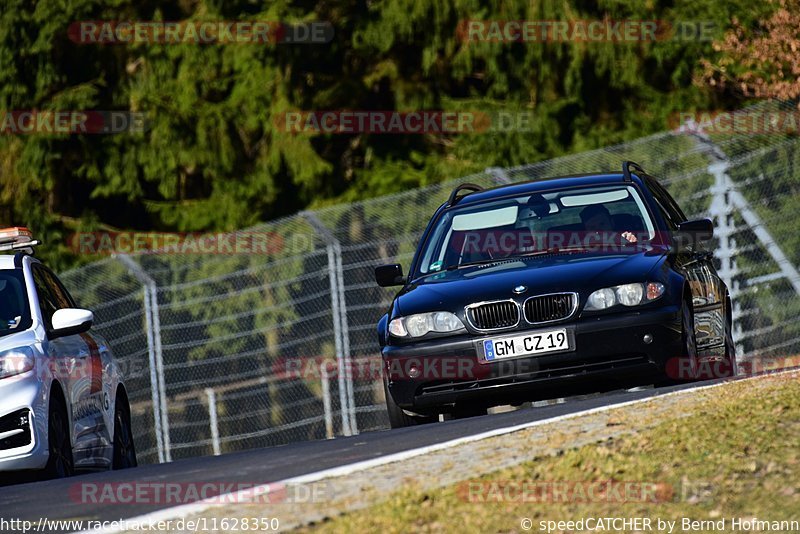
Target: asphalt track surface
{"type": "Point", "coordinates": [52, 499]}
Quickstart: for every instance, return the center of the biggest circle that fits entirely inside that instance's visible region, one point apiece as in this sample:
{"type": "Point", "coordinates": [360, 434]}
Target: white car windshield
{"type": "Point", "coordinates": [14, 311]}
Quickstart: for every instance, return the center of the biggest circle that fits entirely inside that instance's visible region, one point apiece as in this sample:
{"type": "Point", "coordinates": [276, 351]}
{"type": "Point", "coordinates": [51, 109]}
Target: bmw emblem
{"type": "Point", "coordinates": [520, 289]}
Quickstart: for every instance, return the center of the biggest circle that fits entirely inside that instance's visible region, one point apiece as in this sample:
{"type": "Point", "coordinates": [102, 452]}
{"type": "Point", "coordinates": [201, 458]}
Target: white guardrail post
{"type": "Point", "coordinates": [212, 420]}
{"type": "Point", "coordinates": [153, 327]}
{"type": "Point", "coordinates": [326, 399]}
{"type": "Point", "coordinates": [339, 313]}
{"type": "Point", "coordinates": [337, 251]}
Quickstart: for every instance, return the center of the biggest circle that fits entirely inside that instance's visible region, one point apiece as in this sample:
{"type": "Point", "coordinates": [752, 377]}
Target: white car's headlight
{"type": "Point", "coordinates": [625, 294]}
{"type": "Point", "coordinates": [16, 361]}
{"type": "Point", "coordinates": [421, 323]}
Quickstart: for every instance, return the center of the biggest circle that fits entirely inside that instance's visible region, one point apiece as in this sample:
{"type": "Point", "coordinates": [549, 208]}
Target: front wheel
{"type": "Point", "coordinates": [60, 463]}
{"type": "Point", "coordinates": [124, 450]}
{"type": "Point", "coordinates": [400, 419]}
{"type": "Point", "coordinates": [721, 365]}
{"type": "Point", "coordinates": [683, 367]}
{"type": "Point", "coordinates": [730, 346]}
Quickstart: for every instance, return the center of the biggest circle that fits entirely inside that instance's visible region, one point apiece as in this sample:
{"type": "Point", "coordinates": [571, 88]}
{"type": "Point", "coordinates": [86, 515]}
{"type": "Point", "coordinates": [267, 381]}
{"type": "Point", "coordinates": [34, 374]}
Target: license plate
{"type": "Point", "coordinates": [526, 345]}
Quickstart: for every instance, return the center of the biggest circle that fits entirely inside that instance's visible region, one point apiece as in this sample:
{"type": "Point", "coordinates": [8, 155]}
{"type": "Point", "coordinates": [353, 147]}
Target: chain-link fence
{"type": "Point", "coordinates": [236, 350]}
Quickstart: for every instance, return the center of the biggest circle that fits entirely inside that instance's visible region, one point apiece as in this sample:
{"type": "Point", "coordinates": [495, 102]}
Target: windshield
{"type": "Point", "coordinates": [15, 314]}
{"type": "Point", "coordinates": [606, 218]}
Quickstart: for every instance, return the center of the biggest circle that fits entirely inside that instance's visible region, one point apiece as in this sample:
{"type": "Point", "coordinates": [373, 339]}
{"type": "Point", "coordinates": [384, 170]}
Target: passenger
{"type": "Point", "coordinates": [596, 219]}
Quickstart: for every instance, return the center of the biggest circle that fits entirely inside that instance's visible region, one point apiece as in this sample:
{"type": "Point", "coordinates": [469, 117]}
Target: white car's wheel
{"type": "Point", "coordinates": [124, 449]}
{"type": "Point", "coordinates": [60, 464]}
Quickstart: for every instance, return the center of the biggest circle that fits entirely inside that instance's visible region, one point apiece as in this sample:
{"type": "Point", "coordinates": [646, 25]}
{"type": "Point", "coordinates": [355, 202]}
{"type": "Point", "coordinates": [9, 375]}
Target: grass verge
{"type": "Point", "coordinates": [737, 456]}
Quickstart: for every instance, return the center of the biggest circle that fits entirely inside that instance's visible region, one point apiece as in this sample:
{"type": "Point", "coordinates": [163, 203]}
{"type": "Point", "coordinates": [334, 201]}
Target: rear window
{"type": "Point", "coordinates": [15, 314]}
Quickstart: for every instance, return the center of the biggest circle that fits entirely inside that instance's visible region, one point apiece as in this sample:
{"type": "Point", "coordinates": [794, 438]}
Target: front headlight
{"type": "Point", "coordinates": [16, 361]}
{"type": "Point", "coordinates": [625, 294]}
{"type": "Point", "coordinates": [629, 294]}
{"type": "Point", "coordinates": [601, 299]}
{"type": "Point", "coordinates": [421, 323]}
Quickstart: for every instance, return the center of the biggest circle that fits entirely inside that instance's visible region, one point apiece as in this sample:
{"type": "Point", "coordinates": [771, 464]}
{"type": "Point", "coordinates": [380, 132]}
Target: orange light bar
{"type": "Point", "coordinates": [15, 234]}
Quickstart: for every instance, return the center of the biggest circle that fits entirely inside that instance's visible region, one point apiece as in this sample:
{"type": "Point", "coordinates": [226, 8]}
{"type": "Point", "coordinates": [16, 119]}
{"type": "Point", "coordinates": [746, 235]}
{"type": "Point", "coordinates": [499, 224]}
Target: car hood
{"type": "Point", "coordinates": [17, 339]}
{"type": "Point", "coordinates": [581, 272]}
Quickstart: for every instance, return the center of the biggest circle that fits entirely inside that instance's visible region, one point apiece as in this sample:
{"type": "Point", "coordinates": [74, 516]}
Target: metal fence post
{"type": "Point", "coordinates": [326, 399]}
{"type": "Point", "coordinates": [212, 420]}
{"type": "Point", "coordinates": [337, 249]}
{"type": "Point", "coordinates": [153, 326]}
{"type": "Point", "coordinates": [337, 327]}
{"type": "Point", "coordinates": [160, 368]}
{"type": "Point", "coordinates": [337, 311]}
{"type": "Point", "coordinates": [154, 390]}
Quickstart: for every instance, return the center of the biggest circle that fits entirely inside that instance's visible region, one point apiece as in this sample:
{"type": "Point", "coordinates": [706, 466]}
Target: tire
{"type": "Point", "coordinates": [724, 366]}
{"type": "Point", "coordinates": [684, 367]}
{"type": "Point", "coordinates": [398, 418]}
{"type": "Point", "coordinates": [732, 366]}
{"type": "Point", "coordinates": [60, 464]}
{"type": "Point", "coordinates": [689, 343]}
{"type": "Point", "coordinates": [124, 448]}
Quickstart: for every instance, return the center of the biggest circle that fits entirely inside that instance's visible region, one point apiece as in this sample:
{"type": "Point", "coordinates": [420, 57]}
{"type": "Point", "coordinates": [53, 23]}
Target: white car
{"type": "Point", "coordinates": [63, 405]}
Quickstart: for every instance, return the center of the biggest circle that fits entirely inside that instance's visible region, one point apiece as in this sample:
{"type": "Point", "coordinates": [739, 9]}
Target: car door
{"type": "Point", "coordinates": [96, 377]}
{"type": "Point", "coordinates": [81, 372]}
{"type": "Point", "coordinates": [696, 262]}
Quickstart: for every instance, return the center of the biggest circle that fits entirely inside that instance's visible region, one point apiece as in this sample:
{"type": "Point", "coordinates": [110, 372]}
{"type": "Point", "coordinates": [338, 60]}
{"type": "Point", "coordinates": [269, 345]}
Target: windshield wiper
{"type": "Point", "coordinates": [551, 250]}
{"type": "Point", "coordinates": [472, 263]}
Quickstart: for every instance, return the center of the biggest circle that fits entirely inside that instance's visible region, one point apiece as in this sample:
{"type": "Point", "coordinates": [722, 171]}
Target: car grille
{"type": "Point", "coordinates": [546, 308]}
{"type": "Point", "coordinates": [493, 315]}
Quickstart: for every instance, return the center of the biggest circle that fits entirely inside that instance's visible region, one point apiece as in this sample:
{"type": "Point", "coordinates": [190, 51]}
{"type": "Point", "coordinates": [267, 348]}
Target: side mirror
{"type": "Point", "coordinates": [694, 232]}
{"type": "Point", "coordinates": [69, 321]}
{"type": "Point", "coordinates": [389, 275]}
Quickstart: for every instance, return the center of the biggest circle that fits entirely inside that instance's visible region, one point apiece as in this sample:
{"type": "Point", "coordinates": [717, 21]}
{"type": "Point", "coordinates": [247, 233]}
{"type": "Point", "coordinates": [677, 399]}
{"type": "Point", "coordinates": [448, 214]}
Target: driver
{"type": "Point", "coordinates": [10, 314]}
{"type": "Point", "coordinates": [537, 209]}
{"type": "Point", "coordinates": [596, 218]}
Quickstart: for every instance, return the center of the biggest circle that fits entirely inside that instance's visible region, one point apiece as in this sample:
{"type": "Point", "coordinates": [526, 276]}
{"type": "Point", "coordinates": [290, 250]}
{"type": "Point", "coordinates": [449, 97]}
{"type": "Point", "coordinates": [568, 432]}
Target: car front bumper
{"type": "Point", "coordinates": [23, 394]}
{"type": "Point", "coordinates": [610, 351]}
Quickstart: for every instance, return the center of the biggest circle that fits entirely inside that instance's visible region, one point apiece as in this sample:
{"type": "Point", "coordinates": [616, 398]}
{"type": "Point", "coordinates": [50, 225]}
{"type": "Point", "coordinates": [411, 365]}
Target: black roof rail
{"type": "Point", "coordinates": [462, 187]}
{"type": "Point", "coordinates": [626, 169]}
{"type": "Point", "coordinates": [18, 258]}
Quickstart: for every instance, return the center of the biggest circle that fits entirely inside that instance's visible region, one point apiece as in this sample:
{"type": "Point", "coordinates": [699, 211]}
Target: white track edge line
{"type": "Point", "coordinates": [184, 510]}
